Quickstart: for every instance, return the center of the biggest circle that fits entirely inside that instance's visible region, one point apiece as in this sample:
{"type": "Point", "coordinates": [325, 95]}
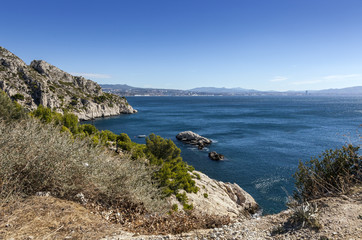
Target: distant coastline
{"type": "Point", "coordinates": [126, 90]}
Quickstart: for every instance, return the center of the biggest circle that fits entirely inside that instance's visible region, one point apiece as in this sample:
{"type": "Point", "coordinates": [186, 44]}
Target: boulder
{"type": "Point", "coordinates": [216, 156]}
{"type": "Point", "coordinates": [193, 139]}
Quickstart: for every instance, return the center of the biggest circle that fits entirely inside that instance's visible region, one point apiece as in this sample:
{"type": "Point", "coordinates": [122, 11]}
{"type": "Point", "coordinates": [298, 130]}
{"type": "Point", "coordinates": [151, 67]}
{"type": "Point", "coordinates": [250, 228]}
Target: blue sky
{"type": "Point", "coordinates": [182, 44]}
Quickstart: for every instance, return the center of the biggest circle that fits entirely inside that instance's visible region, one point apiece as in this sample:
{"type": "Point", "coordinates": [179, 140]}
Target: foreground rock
{"type": "Point", "coordinates": [43, 83]}
{"type": "Point", "coordinates": [220, 198]}
{"type": "Point", "coordinates": [216, 156]}
{"type": "Point", "coordinates": [193, 138]}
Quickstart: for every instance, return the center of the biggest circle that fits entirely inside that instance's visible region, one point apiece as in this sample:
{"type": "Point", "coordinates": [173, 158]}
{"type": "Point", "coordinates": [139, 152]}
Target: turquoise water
{"type": "Point", "coordinates": [262, 138]}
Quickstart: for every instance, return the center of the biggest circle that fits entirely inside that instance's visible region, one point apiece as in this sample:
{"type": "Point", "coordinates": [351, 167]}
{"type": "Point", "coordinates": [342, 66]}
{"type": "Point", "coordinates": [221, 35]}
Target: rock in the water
{"type": "Point", "coordinates": [194, 139]}
{"type": "Point", "coordinates": [216, 156]}
{"type": "Point", "coordinates": [45, 84]}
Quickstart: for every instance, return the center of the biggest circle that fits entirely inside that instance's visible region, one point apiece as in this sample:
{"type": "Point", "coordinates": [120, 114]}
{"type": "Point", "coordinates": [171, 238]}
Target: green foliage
{"type": "Point", "coordinates": [330, 174]}
{"type": "Point", "coordinates": [188, 206]}
{"type": "Point", "coordinates": [18, 96]}
{"type": "Point", "coordinates": [174, 207]}
{"type": "Point", "coordinates": [100, 99]}
{"type": "Point", "coordinates": [10, 110]}
{"type": "Point", "coordinates": [174, 172]}
{"type": "Point", "coordinates": [88, 129]}
{"type": "Point", "coordinates": [110, 136]}
{"type": "Point", "coordinates": [137, 150]}
{"type": "Point", "coordinates": [123, 137]}
{"type": "Point", "coordinates": [70, 121]}
{"type": "Point", "coordinates": [182, 197]}
{"type": "Point", "coordinates": [206, 195]}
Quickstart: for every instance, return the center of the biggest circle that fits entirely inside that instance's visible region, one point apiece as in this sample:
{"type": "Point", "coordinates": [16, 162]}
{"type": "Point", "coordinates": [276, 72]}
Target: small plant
{"type": "Point", "coordinates": [174, 207]}
{"type": "Point", "coordinates": [188, 206]}
{"type": "Point", "coordinates": [18, 96]}
{"type": "Point", "coordinates": [279, 229]}
{"type": "Point", "coordinates": [206, 195]}
{"type": "Point", "coordinates": [304, 214]}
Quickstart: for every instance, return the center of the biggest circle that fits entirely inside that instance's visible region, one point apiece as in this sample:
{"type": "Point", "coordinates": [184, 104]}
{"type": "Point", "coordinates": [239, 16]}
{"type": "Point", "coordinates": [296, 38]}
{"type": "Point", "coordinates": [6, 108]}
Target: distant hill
{"type": "Point", "coordinates": [117, 86]}
{"type": "Point", "coordinates": [350, 91]}
{"type": "Point", "coordinates": [222, 90]}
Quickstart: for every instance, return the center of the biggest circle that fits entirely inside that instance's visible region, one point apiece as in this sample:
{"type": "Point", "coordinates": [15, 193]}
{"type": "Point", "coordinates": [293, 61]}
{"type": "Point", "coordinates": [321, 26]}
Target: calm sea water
{"type": "Point", "coordinates": [262, 138]}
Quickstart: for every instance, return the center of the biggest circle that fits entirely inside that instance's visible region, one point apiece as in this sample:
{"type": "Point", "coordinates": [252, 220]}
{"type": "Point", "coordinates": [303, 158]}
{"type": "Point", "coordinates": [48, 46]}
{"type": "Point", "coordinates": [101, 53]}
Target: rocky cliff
{"type": "Point", "coordinates": [43, 83]}
{"type": "Point", "coordinates": [220, 198]}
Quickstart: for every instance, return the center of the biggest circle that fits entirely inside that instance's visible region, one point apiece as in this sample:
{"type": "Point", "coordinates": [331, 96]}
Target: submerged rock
{"type": "Point", "coordinates": [193, 139]}
{"type": "Point", "coordinates": [216, 156]}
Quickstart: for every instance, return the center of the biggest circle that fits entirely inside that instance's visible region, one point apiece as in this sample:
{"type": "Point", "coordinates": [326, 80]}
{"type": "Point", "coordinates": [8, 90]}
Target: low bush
{"type": "Point", "coordinates": [18, 96]}
{"type": "Point", "coordinates": [333, 173]}
{"type": "Point", "coordinates": [9, 110]}
{"type": "Point", "coordinates": [36, 157]}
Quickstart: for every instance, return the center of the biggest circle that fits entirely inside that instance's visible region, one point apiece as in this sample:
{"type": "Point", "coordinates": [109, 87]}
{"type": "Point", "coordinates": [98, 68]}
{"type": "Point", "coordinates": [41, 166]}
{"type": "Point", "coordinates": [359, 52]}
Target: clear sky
{"type": "Point", "coordinates": [182, 44]}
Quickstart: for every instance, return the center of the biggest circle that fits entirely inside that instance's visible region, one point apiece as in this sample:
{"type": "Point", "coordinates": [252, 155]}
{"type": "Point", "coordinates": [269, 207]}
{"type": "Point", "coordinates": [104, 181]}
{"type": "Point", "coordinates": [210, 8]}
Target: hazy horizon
{"type": "Point", "coordinates": [263, 45]}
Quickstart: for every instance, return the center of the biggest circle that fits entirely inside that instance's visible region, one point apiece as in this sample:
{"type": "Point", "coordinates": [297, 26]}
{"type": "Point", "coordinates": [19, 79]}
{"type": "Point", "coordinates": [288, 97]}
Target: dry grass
{"type": "Point", "coordinates": [51, 218]}
{"type": "Point", "coordinates": [36, 157]}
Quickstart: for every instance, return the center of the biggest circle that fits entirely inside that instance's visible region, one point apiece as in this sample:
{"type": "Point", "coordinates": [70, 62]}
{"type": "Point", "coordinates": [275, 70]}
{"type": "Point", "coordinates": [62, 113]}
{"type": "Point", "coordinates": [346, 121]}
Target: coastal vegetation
{"type": "Point", "coordinates": [47, 153]}
{"type": "Point", "coordinates": [173, 173]}
{"type": "Point", "coordinates": [332, 173]}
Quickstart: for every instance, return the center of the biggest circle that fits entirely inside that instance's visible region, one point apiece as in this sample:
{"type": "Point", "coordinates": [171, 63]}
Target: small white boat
{"type": "Point", "coordinates": [141, 136]}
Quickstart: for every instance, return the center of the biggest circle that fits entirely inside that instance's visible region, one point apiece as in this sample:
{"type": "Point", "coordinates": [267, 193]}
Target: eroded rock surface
{"type": "Point", "coordinates": [193, 138]}
{"type": "Point", "coordinates": [220, 198]}
{"type": "Point", "coordinates": [43, 83]}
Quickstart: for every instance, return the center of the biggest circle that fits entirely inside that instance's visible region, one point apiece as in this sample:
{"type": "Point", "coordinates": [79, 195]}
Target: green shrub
{"type": "Point", "coordinates": [174, 172]}
{"type": "Point", "coordinates": [109, 136]}
{"type": "Point", "coordinates": [18, 96]}
{"type": "Point", "coordinates": [334, 172]}
{"type": "Point", "coordinates": [123, 137]}
{"type": "Point", "coordinates": [100, 99]}
{"type": "Point", "coordinates": [188, 206]}
{"type": "Point", "coordinates": [174, 207]}
{"type": "Point", "coordinates": [206, 195]}
{"type": "Point", "coordinates": [182, 197]}
{"type": "Point", "coordinates": [70, 121]}
{"type": "Point", "coordinates": [88, 129]}
{"type": "Point", "coordinates": [10, 110]}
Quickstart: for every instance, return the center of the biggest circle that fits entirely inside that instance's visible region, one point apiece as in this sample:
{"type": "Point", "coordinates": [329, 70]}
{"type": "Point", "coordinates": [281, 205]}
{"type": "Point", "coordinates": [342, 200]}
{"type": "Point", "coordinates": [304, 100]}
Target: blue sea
{"type": "Point", "coordinates": [262, 138]}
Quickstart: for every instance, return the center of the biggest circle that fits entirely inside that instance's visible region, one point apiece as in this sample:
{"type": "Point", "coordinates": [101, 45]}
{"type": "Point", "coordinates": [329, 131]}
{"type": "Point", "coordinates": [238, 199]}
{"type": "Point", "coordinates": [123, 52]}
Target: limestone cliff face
{"type": "Point", "coordinates": [220, 198]}
{"type": "Point", "coordinates": [43, 83]}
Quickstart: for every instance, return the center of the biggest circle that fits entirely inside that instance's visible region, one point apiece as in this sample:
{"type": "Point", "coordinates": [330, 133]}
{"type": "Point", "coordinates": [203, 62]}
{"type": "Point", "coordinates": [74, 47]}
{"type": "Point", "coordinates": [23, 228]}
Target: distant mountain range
{"type": "Point", "coordinates": [126, 90]}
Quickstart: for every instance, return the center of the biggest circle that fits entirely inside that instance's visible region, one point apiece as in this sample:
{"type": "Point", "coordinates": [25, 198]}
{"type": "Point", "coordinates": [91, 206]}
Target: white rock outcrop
{"type": "Point", "coordinates": [220, 198]}
{"type": "Point", "coordinates": [193, 138]}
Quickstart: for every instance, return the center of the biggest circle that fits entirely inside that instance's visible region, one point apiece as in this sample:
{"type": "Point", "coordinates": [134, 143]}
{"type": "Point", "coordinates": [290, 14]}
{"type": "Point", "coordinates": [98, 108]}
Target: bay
{"type": "Point", "coordinates": [262, 138]}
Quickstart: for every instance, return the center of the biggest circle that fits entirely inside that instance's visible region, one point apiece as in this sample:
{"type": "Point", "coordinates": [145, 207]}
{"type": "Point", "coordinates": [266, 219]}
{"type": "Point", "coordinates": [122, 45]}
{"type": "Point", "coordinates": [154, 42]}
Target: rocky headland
{"type": "Point", "coordinates": [45, 84]}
